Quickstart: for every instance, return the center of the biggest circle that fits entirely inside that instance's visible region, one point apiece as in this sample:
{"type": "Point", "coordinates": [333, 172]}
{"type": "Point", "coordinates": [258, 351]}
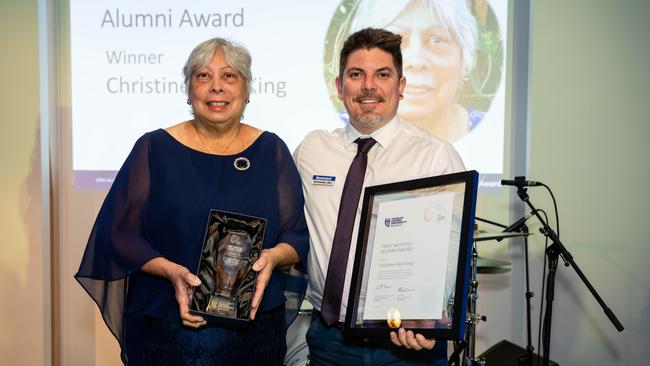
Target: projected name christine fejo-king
{"type": "Point", "coordinates": [121, 85]}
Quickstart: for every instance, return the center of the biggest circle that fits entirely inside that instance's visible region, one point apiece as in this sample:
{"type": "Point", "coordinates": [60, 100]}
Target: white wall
{"type": "Point", "coordinates": [23, 280]}
{"type": "Point", "coordinates": [590, 90]}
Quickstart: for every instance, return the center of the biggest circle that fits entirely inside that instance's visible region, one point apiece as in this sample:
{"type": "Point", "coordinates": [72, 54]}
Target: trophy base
{"type": "Point", "coordinates": [222, 306]}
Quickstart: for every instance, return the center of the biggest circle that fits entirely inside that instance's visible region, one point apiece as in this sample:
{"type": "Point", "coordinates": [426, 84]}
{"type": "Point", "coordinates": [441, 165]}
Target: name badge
{"type": "Point", "coordinates": [323, 180]}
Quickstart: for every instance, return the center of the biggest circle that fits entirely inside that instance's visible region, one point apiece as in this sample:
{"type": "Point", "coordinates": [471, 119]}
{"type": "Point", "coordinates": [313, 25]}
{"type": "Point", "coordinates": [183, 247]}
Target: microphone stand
{"type": "Point", "coordinates": [527, 358]}
{"type": "Point", "coordinates": [490, 222]}
{"type": "Point", "coordinates": [553, 252]}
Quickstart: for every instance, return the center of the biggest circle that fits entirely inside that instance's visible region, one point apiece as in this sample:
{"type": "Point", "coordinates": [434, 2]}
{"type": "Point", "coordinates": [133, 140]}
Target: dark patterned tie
{"type": "Point", "coordinates": [333, 292]}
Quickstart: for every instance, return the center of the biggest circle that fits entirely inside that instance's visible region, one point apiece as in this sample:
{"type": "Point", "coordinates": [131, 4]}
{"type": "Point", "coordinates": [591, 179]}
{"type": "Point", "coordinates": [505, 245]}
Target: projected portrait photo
{"type": "Point", "coordinates": [452, 58]}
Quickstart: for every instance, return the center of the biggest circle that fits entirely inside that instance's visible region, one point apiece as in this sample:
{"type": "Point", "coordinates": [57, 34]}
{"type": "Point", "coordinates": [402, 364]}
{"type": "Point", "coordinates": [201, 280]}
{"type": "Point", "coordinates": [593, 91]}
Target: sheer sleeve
{"type": "Point", "coordinates": [293, 226]}
{"type": "Point", "coordinates": [293, 229]}
{"type": "Point", "coordinates": [116, 247]}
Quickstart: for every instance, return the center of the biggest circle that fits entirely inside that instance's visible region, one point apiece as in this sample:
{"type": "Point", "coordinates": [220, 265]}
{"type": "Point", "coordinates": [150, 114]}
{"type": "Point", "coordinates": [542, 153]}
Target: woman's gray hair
{"type": "Point", "coordinates": [236, 55]}
{"type": "Point", "coordinates": [454, 14]}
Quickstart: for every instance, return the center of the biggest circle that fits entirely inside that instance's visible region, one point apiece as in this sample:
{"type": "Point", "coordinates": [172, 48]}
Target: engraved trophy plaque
{"type": "Point", "coordinates": [231, 246]}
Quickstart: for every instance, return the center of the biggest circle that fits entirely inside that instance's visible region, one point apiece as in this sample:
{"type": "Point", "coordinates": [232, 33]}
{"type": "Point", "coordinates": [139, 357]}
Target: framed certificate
{"type": "Point", "coordinates": [412, 261]}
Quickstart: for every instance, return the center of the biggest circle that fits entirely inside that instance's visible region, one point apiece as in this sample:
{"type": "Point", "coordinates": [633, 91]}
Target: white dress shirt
{"type": "Point", "coordinates": [402, 152]}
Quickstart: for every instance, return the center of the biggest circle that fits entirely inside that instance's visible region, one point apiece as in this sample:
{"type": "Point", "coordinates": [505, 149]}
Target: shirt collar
{"type": "Point", "coordinates": [383, 136]}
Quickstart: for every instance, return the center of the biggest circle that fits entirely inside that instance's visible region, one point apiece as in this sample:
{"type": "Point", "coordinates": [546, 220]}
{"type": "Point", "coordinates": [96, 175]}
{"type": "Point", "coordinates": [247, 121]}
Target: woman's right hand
{"type": "Point", "coordinates": [183, 281]}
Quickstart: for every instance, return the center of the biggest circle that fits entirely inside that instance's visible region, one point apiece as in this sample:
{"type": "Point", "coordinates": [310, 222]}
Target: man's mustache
{"type": "Point", "coordinates": [369, 94]}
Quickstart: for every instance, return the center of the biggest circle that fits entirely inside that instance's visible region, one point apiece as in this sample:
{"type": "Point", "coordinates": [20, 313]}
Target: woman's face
{"type": "Point", "coordinates": [432, 62]}
{"type": "Point", "coordinates": [218, 92]}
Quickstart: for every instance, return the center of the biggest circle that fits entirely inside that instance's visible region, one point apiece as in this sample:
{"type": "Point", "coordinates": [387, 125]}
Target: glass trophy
{"type": "Point", "coordinates": [232, 244]}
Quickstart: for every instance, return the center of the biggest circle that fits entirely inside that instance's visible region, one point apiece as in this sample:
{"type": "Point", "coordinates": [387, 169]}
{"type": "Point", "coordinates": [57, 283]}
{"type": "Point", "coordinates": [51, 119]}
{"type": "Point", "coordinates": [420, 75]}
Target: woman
{"type": "Point", "coordinates": [147, 238]}
{"type": "Point", "coordinates": [438, 46]}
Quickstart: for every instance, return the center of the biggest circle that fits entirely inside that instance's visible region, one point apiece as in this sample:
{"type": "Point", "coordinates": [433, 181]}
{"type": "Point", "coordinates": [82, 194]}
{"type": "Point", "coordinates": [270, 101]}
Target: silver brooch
{"type": "Point", "coordinates": [241, 163]}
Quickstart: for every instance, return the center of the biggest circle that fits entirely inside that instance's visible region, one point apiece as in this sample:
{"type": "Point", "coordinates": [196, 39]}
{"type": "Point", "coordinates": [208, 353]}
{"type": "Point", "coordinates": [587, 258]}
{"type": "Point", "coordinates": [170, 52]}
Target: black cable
{"type": "Point", "coordinates": [541, 299]}
{"type": "Point", "coordinates": [557, 213]}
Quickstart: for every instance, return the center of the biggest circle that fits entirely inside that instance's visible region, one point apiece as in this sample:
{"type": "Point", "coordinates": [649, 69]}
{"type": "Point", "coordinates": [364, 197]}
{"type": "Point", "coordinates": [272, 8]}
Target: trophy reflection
{"type": "Point", "coordinates": [233, 256]}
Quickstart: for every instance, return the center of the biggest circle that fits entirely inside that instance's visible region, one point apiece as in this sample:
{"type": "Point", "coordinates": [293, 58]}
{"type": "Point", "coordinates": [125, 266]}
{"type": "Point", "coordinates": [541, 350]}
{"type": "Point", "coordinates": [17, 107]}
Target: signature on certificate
{"type": "Point", "coordinates": [383, 286]}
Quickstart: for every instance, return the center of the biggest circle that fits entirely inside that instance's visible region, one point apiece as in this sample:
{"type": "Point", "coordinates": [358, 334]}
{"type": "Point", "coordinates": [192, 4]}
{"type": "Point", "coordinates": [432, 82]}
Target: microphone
{"type": "Point", "coordinates": [520, 182]}
{"type": "Point", "coordinates": [517, 225]}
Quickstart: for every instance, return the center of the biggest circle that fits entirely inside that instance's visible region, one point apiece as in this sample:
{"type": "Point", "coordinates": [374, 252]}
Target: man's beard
{"type": "Point", "coordinates": [367, 117]}
{"type": "Point", "coordinates": [367, 120]}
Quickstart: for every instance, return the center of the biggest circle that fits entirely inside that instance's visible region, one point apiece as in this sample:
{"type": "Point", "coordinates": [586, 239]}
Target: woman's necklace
{"type": "Point", "coordinates": [225, 148]}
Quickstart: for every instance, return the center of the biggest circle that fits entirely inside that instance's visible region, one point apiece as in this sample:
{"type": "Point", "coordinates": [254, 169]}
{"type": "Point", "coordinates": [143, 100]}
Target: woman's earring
{"type": "Point", "coordinates": [189, 102]}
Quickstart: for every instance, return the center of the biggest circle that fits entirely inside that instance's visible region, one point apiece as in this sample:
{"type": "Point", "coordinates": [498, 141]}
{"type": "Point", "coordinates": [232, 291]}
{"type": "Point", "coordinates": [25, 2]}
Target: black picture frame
{"type": "Point", "coordinates": [451, 325]}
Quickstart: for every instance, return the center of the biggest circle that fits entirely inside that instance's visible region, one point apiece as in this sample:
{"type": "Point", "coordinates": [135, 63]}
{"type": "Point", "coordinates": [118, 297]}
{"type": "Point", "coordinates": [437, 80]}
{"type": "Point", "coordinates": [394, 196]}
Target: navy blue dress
{"type": "Point", "coordinates": [158, 206]}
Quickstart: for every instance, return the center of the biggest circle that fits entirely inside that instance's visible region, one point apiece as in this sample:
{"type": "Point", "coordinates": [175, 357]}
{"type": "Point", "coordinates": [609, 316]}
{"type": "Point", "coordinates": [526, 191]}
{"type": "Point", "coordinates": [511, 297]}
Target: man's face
{"type": "Point", "coordinates": [370, 89]}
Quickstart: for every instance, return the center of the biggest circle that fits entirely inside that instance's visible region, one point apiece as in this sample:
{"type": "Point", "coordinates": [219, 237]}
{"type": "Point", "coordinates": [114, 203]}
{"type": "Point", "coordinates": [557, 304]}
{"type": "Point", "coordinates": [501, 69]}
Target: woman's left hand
{"type": "Point", "coordinates": [280, 255]}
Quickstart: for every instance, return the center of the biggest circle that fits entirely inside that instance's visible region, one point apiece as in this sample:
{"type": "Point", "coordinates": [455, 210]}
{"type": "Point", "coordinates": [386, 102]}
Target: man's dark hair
{"type": "Point", "coordinates": [369, 38]}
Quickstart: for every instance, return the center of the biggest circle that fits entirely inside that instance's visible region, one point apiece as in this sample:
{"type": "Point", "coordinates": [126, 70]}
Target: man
{"type": "Point", "coordinates": [374, 148]}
